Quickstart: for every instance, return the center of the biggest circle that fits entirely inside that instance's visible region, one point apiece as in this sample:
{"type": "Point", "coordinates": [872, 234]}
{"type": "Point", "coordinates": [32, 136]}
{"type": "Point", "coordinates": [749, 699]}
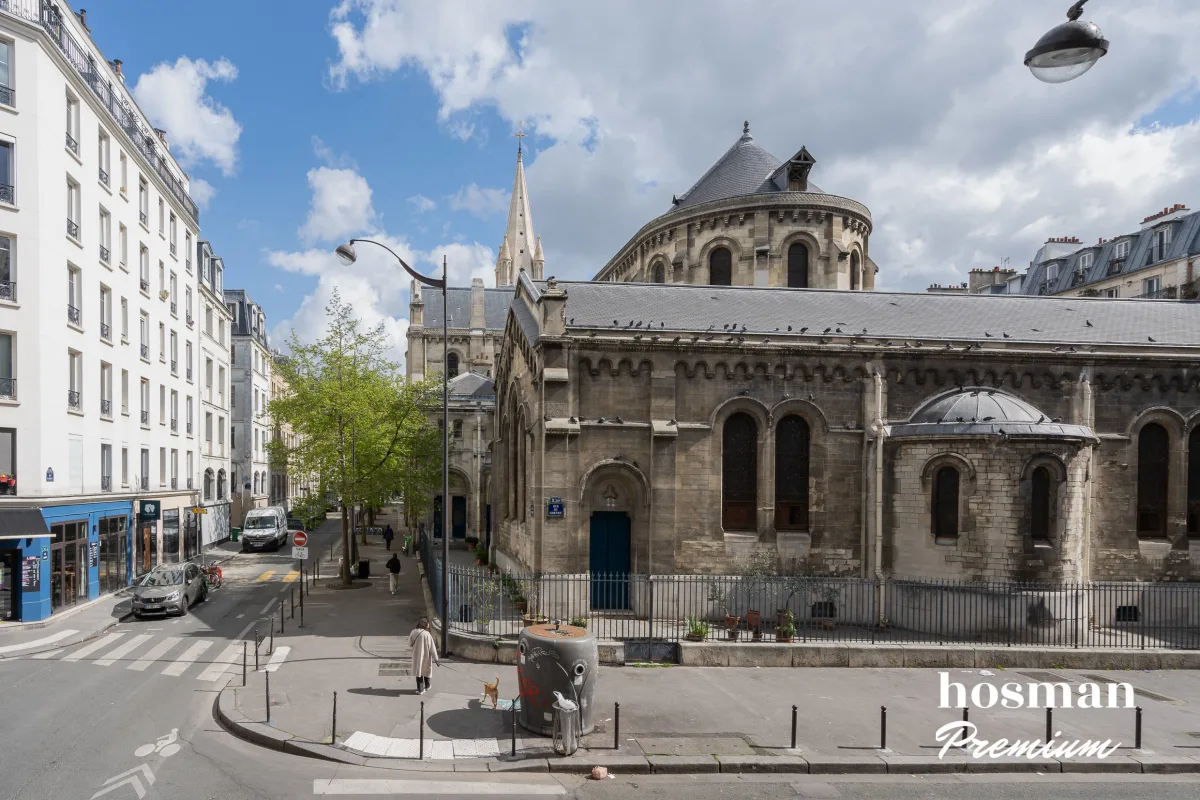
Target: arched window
{"type": "Point", "coordinates": [451, 365]}
{"type": "Point", "coordinates": [945, 503]}
{"type": "Point", "coordinates": [797, 266]}
{"type": "Point", "coordinates": [720, 267]}
{"type": "Point", "coordinates": [855, 271]}
{"type": "Point", "coordinates": [1154, 454]}
{"type": "Point", "coordinates": [458, 429]}
{"type": "Point", "coordinates": [1194, 483]}
{"type": "Point", "coordinates": [209, 477]}
{"type": "Point", "coordinates": [791, 474]}
{"type": "Point", "coordinates": [1039, 524]}
{"type": "Point", "coordinates": [660, 273]}
{"type": "Point", "coordinates": [739, 473]}
{"type": "Point", "coordinates": [221, 485]}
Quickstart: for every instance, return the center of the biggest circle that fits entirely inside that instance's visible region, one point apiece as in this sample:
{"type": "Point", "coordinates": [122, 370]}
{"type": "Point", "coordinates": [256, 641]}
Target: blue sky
{"type": "Point", "coordinates": [341, 114]}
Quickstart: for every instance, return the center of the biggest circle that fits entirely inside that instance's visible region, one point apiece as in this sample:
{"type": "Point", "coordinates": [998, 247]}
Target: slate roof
{"type": "Point", "coordinates": [471, 385]}
{"type": "Point", "coordinates": [984, 411]}
{"type": "Point", "coordinates": [458, 302]}
{"type": "Point", "coordinates": [925, 317]}
{"type": "Point", "coordinates": [743, 169]}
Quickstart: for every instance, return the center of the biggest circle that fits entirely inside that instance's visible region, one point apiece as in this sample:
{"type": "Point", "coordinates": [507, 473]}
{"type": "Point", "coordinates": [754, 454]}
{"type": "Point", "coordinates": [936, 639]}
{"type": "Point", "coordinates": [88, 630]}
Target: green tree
{"type": "Point", "coordinates": [359, 425]}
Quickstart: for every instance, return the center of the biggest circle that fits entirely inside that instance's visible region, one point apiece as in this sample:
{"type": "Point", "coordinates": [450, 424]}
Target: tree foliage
{"type": "Point", "coordinates": [359, 425]}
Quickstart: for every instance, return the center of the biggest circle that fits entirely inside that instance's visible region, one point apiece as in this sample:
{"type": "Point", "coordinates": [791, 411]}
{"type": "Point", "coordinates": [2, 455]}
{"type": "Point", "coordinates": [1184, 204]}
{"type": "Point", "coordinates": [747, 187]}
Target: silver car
{"type": "Point", "coordinates": [169, 589]}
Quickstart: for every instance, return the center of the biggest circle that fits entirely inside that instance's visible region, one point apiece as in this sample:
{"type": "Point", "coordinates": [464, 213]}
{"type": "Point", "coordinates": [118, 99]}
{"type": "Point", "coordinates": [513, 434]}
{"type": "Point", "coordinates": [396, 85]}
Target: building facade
{"type": "Point", "coordinates": [214, 398]}
{"type": "Point", "coordinates": [96, 226]}
{"type": "Point", "coordinates": [251, 365]}
{"type": "Point", "coordinates": [286, 485]}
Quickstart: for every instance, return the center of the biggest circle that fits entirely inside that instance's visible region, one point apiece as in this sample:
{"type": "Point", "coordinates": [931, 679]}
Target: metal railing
{"type": "Point", "coordinates": [145, 482]}
{"type": "Point", "coordinates": [105, 407]}
{"type": "Point", "coordinates": [104, 254]}
{"type": "Point", "coordinates": [145, 418]}
{"type": "Point", "coordinates": [190, 481]}
{"type": "Point", "coordinates": [673, 608]}
{"type": "Point", "coordinates": [145, 351]}
{"type": "Point", "coordinates": [8, 388]}
{"type": "Point", "coordinates": [190, 321]}
{"type": "Point", "coordinates": [8, 290]}
{"type": "Point", "coordinates": [104, 176]}
{"type": "Point", "coordinates": [189, 373]}
{"type": "Point", "coordinates": [189, 427]}
{"type": "Point", "coordinates": [174, 366]}
{"type": "Point", "coordinates": [174, 483]}
{"type": "Point", "coordinates": [8, 96]}
{"type": "Point", "coordinates": [172, 248]}
{"type": "Point", "coordinates": [72, 228]}
{"type": "Point", "coordinates": [105, 331]}
{"type": "Point", "coordinates": [8, 194]}
{"type": "Point", "coordinates": [106, 483]}
{"type": "Point", "coordinates": [144, 284]}
{"type": "Point", "coordinates": [72, 145]}
{"type": "Point", "coordinates": [174, 426]}
{"type": "Point", "coordinates": [73, 315]}
{"type": "Point", "coordinates": [174, 309]}
{"type": "Point", "coordinates": [144, 218]}
{"type": "Point", "coordinates": [1162, 293]}
{"type": "Point", "coordinates": [74, 400]}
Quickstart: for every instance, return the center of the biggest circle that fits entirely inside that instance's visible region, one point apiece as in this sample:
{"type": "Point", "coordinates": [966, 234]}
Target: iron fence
{"type": "Point", "coordinates": [674, 608]}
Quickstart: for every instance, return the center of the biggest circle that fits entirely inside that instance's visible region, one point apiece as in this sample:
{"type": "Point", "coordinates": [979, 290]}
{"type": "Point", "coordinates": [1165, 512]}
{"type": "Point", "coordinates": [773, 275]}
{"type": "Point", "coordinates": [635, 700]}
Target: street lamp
{"type": "Point", "coordinates": [1067, 51]}
{"type": "Point", "coordinates": [346, 253]}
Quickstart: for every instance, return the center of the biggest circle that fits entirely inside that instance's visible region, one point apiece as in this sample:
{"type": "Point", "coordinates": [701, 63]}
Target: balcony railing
{"type": "Point", "coordinates": [104, 254]}
{"type": "Point", "coordinates": [144, 283]}
{"type": "Point", "coordinates": [105, 408]}
{"type": "Point", "coordinates": [190, 320]}
{"type": "Point", "coordinates": [105, 331]}
{"type": "Point", "coordinates": [72, 228]}
{"type": "Point", "coordinates": [145, 482]}
{"type": "Point", "coordinates": [144, 218]}
{"type": "Point", "coordinates": [188, 265]}
{"type": "Point", "coordinates": [106, 483]}
{"type": "Point", "coordinates": [174, 483]}
{"type": "Point", "coordinates": [190, 482]}
{"type": "Point", "coordinates": [172, 248]}
{"type": "Point", "coordinates": [174, 426]}
{"type": "Point", "coordinates": [73, 315]}
{"type": "Point", "coordinates": [8, 96]}
{"type": "Point", "coordinates": [8, 290]}
{"type": "Point", "coordinates": [145, 418]}
{"type": "Point", "coordinates": [174, 366]}
{"type": "Point", "coordinates": [145, 351]}
{"type": "Point", "coordinates": [1162, 293]}
{"type": "Point", "coordinates": [8, 194]}
{"type": "Point", "coordinates": [103, 176]}
{"type": "Point", "coordinates": [174, 308]}
{"type": "Point", "coordinates": [8, 388]}
{"type": "Point", "coordinates": [189, 373]}
{"type": "Point", "coordinates": [72, 145]}
{"type": "Point", "coordinates": [74, 400]}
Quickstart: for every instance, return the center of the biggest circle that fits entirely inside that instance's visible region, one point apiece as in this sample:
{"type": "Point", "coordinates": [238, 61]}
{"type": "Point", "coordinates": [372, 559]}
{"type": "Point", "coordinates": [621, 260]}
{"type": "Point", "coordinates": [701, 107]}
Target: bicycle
{"type": "Point", "coordinates": [213, 576]}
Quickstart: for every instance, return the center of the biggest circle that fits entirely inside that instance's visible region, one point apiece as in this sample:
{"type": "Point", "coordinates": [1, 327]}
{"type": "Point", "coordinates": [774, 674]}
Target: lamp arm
{"type": "Point", "coordinates": [434, 282]}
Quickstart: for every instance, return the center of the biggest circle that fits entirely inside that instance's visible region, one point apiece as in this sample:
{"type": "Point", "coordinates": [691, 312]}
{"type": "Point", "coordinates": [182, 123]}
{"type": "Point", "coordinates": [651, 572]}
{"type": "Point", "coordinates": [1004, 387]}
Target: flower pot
{"type": "Point", "coordinates": [757, 635]}
{"type": "Point", "coordinates": [529, 620]}
{"type": "Point", "coordinates": [783, 637]}
{"type": "Point", "coordinates": [481, 626]}
{"type": "Point", "coordinates": [479, 562]}
{"type": "Point", "coordinates": [693, 637]}
{"type": "Point", "coordinates": [519, 606]}
{"type": "Point", "coordinates": [753, 618]}
{"type": "Point", "coordinates": [779, 617]}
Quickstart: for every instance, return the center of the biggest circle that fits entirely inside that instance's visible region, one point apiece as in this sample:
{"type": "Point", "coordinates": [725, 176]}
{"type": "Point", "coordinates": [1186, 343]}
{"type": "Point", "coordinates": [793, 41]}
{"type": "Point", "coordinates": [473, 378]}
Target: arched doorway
{"type": "Point", "coordinates": [614, 496]}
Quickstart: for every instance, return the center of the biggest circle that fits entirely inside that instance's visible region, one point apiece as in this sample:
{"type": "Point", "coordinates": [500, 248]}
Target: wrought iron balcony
{"type": "Point", "coordinates": [1162, 293]}
{"type": "Point", "coordinates": [72, 228]}
{"type": "Point", "coordinates": [174, 366]}
{"type": "Point", "coordinates": [74, 400]}
{"type": "Point", "coordinates": [106, 483]}
{"type": "Point", "coordinates": [190, 482]}
{"type": "Point", "coordinates": [1114, 266]}
{"type": "Point", "coordinates": [174, 483]}
{"type": "Point", "coordinates": [8, 388]}
{"type": "Point", "coordinates": [190, 321]}
{"type": "Point", "coordinates": [144, 283]}
{"type": "Point", "coordinates": [8, 96]}
{"type": "Point", "coordinates": [145, 417]}
{"type": "Point", "coordinates": [145, 351]}
{"type": "Point", "coordinates": [8, 290]}
{"type": "Point", "coordinates": [174, 426]}
{"type": "Point", "coordinates": [189, 373]}
{"type": "Point", "coordinates": [72, 145]}
{"type": "Point", "coordinates": [172, 248]}
{"type": "Point", "coordinates": [189, 426]}
{"type": "Point", "coordinates": [104, 254]}
{"type": "Point", "coordinates": [73, 315]}
{"type": "Point", "coordinates": [105, 331]}
{"type": "Point", "coordinates": [144, 218]}
{"type": "Point", "coordinates": [103, 176]}
{"type": "Point", "coordinates": [105, 408]}
{"type": "Point", "coordinates": [174, 307]}
{"type": "Point", "coordinates": [188, 265]}
{"type": "Point", "coordinates": [145, 483]}
{"type": "Point", "coordinates": [7, 194]}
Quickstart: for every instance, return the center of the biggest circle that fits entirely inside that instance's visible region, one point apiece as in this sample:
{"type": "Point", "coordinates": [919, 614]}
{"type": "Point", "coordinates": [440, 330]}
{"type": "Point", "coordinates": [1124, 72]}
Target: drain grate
{"type": "Point", "coordinates": [1045, 677]}
{"type": "Point", "coordinates": [394, 669]}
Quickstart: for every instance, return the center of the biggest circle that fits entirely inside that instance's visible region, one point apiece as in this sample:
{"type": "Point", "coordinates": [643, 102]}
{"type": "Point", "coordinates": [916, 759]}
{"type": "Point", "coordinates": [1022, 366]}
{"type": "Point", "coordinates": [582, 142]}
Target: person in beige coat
{"type": "Point", "coordinates": [424, 654]}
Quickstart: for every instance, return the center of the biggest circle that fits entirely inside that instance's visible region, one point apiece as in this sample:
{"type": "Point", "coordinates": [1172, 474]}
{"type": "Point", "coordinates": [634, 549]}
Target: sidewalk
{"type": "Point", "coordinates": [682, 719]}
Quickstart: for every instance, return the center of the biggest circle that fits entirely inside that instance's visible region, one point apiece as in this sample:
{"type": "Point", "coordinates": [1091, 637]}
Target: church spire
{"type": "Point", "coordinates": [519, 239]}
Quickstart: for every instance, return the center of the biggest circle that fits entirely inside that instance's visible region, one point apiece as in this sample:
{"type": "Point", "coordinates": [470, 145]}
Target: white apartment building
{"type": "Point", "coordinates": [251, 364]}
{"type": "Point", "coordinates": [215, 395]}
{"type": "Point", "coordinates": [96, 394]}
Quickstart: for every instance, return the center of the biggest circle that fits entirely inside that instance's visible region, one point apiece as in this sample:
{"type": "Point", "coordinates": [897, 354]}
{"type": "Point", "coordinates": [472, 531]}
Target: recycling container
{"type": "Point", "coordinates": [556, 658]}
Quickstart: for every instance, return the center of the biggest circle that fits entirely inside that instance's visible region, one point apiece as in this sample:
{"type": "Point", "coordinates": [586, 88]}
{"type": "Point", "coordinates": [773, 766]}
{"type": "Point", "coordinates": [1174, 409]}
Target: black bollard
{"type": "Point", "coordinates": [257, 642]}
{"type": "Point", "coordinates": [244, 661]}
{"type": "Point", "coordinates": [883, 727]}
{"type": "Point", "coordinates": [616, 726]}
{"type": "Point", "coordinates": [421, 752]}
{"type": "Point", "coordinates": [1137, 730]}
{"type": "Point", "coordinates": [268, 674]}
{"type": "Point", "coordinates": [964, 744]}
{"type": "Point", "coordinates": [271, 647]}
{"type": "Point", "coordinates": [333, 730]}
{"type": "Point", "coordinates": [1049, 724]}
{"type": "Point", "coordinates": [793, 727]}
{"type": "Point", "coordinates": [514, 726]}
{"type": "Point", "coordinates": [301, 606]}
{"type": "Point", "coordinates": [292, 600]}
{"type": "Point", "coordinates": [280, 624]}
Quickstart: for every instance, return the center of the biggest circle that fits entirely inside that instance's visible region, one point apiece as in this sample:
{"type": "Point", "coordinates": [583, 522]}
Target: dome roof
{"type": "Point", "coordinates": [983, 411]}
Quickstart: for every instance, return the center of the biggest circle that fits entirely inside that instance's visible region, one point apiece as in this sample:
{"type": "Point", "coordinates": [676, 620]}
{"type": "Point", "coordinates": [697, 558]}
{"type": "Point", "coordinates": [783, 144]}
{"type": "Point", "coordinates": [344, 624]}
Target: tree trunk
{"type": "Point", "coordinates": [346, 579]}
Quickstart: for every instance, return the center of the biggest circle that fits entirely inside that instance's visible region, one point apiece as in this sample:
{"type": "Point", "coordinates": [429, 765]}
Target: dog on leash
{"type": "Point", "coordinates": [491, 691]}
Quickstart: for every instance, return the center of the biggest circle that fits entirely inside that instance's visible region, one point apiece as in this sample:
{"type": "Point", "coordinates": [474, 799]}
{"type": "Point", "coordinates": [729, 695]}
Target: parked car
{"type": "Point", "coordinates": [264, 528]}
{"type": "Point", "coordinates": [169, 589]}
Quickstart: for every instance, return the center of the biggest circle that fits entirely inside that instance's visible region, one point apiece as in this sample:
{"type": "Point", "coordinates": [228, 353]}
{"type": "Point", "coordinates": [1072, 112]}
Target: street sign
{"type": "Point", "coordinates": [554, 508]}
{"type": "Point", "coordinates": [299, 538]}
{"type": "Point", "coordinates": [300, 553]}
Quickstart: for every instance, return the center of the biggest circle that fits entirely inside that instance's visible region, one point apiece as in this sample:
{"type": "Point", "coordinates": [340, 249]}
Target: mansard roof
{"type": "Point", "coordinates": [458, 302]}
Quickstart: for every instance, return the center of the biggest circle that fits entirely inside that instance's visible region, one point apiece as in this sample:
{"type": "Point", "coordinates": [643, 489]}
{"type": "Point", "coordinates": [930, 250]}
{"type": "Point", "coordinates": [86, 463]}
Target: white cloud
{"type": "Point", "coordinates": [921, 111]}
{"type": "Point", "coordinates": [201, 191]}
{"type": "Point", "coordinates": [422, 203]}
{"type": "Point", "coordinates": [483, 203]}
{"type": "Point", "coordinates": [341, 205]}
{"type": "Point", "coordinates": [198, 128]}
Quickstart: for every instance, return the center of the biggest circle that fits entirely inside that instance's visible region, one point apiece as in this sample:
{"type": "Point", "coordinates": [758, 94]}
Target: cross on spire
{"type": "Point", "coordinates": [520, 134]}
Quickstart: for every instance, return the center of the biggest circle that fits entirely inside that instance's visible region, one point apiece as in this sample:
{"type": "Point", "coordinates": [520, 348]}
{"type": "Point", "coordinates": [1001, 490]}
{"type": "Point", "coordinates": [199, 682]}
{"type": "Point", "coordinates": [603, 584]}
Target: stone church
{"type": "Point", "coordinates": [729, 382]}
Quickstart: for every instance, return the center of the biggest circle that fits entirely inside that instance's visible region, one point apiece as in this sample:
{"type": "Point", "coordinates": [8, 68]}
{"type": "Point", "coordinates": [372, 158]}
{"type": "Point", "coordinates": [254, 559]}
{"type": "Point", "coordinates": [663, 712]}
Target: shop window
{"type": "Point", "coordinates": [1154, 453]}
{"type": "Point", "coordinates": [945, 503]}
{"type": "Point", "coordinates": [739, 473]}
{"type": "Point", "coordinates": [791, 474]}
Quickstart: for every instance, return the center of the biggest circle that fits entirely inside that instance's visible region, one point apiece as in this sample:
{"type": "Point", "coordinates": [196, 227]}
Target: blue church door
{"type": "Point", "coordinates": [609, 560]}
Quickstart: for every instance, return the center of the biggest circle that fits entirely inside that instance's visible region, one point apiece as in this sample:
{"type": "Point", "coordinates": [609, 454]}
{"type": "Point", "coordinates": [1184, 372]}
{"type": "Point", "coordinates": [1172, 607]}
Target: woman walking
{"type": "Point", "coordinates": [424, 654]}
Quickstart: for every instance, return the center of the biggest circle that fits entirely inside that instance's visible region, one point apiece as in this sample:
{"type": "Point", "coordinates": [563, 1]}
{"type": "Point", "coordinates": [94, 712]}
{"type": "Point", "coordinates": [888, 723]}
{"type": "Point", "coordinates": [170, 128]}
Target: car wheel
{"type": "Point", "coordinates": [137, 615]}
{"type": "Point", "coordinates": [203, 593]}
{"type": "Point", "coordinates": [183, 606]}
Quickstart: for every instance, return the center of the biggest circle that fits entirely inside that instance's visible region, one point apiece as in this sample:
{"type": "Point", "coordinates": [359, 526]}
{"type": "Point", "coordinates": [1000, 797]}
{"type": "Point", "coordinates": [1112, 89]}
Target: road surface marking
{"type": "Point", "coordinates": [266, 576]}
{"type": "Point", "coordinates": [292, 576]}
{"type": "Point", "coordinates": [277, 658]}
{"type": "Point", "coordinates": [154, 654]}
{"type": "Point", "coordinates": [83, 652]}
{"type": "Point", "coordinates": [375, 786]}
{"type": "Point", "coordinates": [180, 665]}
{"type": "Point", "coordinates": [50, 653]}
{"type": "Point", "coordinates": [51, 639]}
{"type": "Point", "coordinates": [223, 662]}
{"type": "Point", "coordinates": [239, 616]}
{"type": "Point", "coordinates": [245, 630]}
{"type": "Point", "coordinates": [124, 650]}
{"type": "Point", "coordinates": [267, 607]}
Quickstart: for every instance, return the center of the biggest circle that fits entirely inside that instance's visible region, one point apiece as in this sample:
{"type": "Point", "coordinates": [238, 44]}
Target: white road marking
{"type": "Point", "coordinates": [239, 616]}
{"type": "Point", "coordinates": [180, 665]}
{"type": "Point", "coordinates": [223, 662]}
{"type": "Point", "coordinates": [50, 653]}
{"type": "Point", "coordinates": [83, 652]}
{"type": "Point", "coordinates": [154, 654]}
{"type": "Point", "coordinates": [277, 658]}
{"type": "Point", "coordinates": [377, 786]}
{"type": "Point", "coordinates": [245, 630]}
{"type": "Point", "coordinates": [267, 607]}
{"type": "Point", "coordinates": [51, 639]}
{"type": "Point", "coordinates": [124, 650]}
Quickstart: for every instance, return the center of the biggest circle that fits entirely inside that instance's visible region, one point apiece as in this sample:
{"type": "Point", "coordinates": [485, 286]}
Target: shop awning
{"type": "Point", "coordinates": [23, 523]}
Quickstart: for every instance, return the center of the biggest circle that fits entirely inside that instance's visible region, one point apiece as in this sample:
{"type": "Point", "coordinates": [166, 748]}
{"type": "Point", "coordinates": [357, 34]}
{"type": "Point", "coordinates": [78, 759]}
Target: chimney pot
{"type": "Point", "coordinates": [117, 65]}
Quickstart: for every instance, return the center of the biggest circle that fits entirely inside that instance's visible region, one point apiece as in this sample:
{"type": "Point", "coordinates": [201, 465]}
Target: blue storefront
{"type": "Point", "coordinates": [77, 553]}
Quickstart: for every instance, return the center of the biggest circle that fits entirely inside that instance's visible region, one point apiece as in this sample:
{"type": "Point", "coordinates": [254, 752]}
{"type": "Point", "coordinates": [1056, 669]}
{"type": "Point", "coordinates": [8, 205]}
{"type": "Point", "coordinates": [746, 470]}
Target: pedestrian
{"type": "Point", "coordinates": [424, 654]}
{"type": "Point", "coordinates": [393, 568]}
{"type": "Point", "coordinates": [388, 535]}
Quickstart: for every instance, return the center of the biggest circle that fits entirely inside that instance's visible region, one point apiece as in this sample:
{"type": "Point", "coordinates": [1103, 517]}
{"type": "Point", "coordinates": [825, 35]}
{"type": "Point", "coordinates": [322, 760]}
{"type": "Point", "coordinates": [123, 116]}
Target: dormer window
{"type": "Point", "coordinates": [1158, 244]}
{"type": "Point", "coordinates": [1085, 259]}
{"type": "Point", "coordinates": [1051, 273]}
{"type": "Point", "coordinates": [1120, 249]}
{"type": "Point", "coordinates": [798, 168]}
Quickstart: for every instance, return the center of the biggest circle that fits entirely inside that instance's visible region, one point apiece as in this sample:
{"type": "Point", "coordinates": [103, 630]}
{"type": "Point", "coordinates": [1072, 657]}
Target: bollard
{"type": "Point", "coordinates": [616, 726]}
{"type": "Point", "coordinates": [514, 726]}
{"type": "Point", "coordinates": [301, 607]}
{"type": "Point", "coordinates": [280, 619]}
{"type": "Point", "coordinates": [1137, 730]}
{"type": "Point", "coordinates": [271, 647]}
{"type": "Point", "coordinates": [292, 600]}
{"type": "Point", "coordinates": [883, 727]}
{"type": "Point", "coordinates": [333, 730]}
{"type": "Point", "coordinates": [964, 744]}
{"type": "Point", "coordinates": [268, 674]}
{"type": "Point", "coordinates": [421, 752]}
{"type": "Point", "coordinates": [257, 642]}
{"type": "Point", "coordinates": [1049, 724]}
{"type": "Point", "coordinates": [244, 661]}
{"type": "Point", "coordinates": [793, 727]}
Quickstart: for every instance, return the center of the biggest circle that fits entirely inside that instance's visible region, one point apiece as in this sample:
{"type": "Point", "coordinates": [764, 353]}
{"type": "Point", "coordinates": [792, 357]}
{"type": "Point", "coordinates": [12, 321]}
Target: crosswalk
{"type": "Point", "coordinates": [172, 656]}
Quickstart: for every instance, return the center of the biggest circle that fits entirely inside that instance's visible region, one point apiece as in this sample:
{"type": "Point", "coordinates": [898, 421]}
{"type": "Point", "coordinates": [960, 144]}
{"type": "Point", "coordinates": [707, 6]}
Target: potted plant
{"type": "Point", "coordinates": [482, 622]}
{"type": "Point", "coordinates": [719, 596]}
{"type": "Point", "coordinates": [787, 628]}
{"type": "Point", "coordinates": [481, 555]}
{"type": "Point", "coordinates": [697, 630]}
{"type": "Point", "coordinates": [471, 541]}
{"type": "Point", "coordinates": [760, 570]}
{"type": "Point", "coordinates": [579, 622]}
{"type": "Point", "coordinates": [519, 603]}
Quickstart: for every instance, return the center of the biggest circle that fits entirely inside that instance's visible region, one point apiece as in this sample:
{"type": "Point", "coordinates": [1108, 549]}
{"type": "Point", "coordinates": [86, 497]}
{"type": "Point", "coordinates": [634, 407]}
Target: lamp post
{"type": "Point", "coordinates": [1067, 51]}
{"type": "Point", "coordinates": [346, 253]}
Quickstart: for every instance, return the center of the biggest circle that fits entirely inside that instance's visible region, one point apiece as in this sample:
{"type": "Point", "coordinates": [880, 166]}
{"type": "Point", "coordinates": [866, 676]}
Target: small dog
{"type": "Point", "coordinates": [492, 691]}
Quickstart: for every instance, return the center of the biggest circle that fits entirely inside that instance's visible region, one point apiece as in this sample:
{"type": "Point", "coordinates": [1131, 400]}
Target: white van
{"type": "Point", "coordinates": [263, 528]}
